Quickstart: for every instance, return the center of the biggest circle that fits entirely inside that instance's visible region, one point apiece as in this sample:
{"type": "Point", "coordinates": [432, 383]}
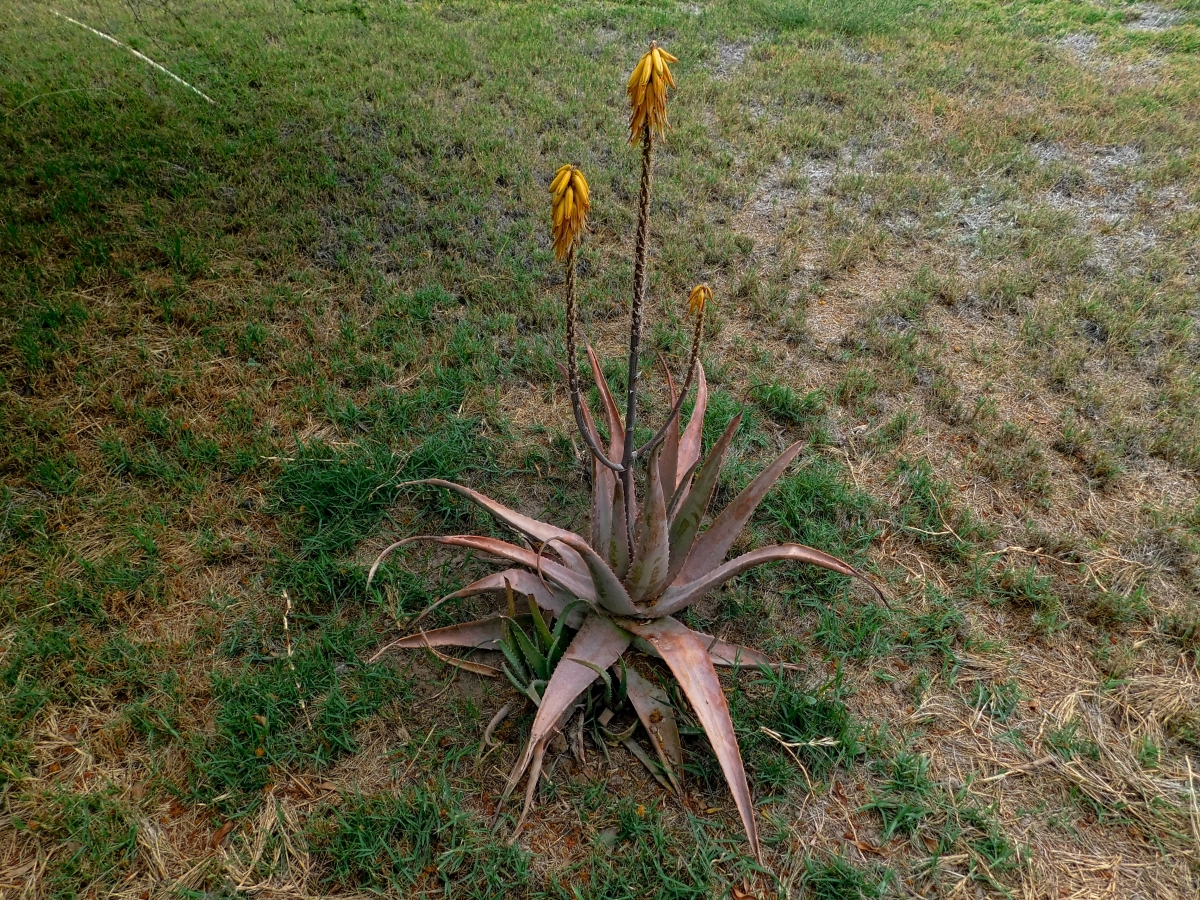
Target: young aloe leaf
{"type": "Point", "coordinates": [687, 520]}
{"type": "Point", "coordinates": [603, 673]}
{"type": "Point", "coordinates": [533, 657]}
{"type": "Point", "coordinates": [610, 593]}
{"type": "Point", "coordinates": [575, 607]}
{"type": "Point", "coordinates": [688, 660]}
{"type": "Point", "coordinates": [536, 689]}
{"type": "Point", "coordinates": [658, 718]}
{"type": "Point", "coordinates": [571, 617]}
{"type": "Point", "coordinates": [622, 683]}
{"type": "Point", "coordinates": [539, 625]}
{"type": "Point", "coordinates": [652, 767]}
{"type": "Point", "coordinates": [600, 641]}
{"type": "Point", "coordinates": [513, 655]}
{"type": "Point", "coordinates": [689, 444]}
{"type": "Point", "coordinates": [648, 570]}
{"type": "Point", "coordinates": [710, 548]}
{"type": "Point", "coordinates": [676, 598]}
{"type": "Point", "coordinates": [518, 683]}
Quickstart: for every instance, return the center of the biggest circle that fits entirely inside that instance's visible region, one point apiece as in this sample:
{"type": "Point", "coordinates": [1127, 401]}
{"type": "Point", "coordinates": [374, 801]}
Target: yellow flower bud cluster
{"type": "Point", "coordinates": [568, 207]}
{"type": "Point", "coordinates": [647, 91]}
{"type": "Point", "coordinates": [699, 296]}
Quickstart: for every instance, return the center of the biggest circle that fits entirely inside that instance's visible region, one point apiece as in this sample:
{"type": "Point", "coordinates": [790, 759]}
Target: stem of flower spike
{"type": "Point", "coordinates": [573, 370]}
{"type": "Point", "coordinates": [649, 446]}
{"type": "Point", "coordinates": [635, 327]}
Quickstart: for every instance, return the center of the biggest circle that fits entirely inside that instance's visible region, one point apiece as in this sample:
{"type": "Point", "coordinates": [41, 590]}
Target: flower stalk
{"type": "Point", "coordinates": [635, 324]}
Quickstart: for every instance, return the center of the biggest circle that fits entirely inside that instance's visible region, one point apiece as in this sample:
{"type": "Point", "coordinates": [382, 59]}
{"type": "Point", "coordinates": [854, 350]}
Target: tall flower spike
{"type": "Point", "coordinates": [569, 208]}
{"type": "Point", "coordinates": [647, 91]}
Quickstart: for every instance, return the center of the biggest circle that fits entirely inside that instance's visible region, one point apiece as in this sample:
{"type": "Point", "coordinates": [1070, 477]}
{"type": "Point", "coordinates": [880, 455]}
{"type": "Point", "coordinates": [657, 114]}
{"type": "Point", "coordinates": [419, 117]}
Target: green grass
{"type": "Point", "coordinates": [230, 333]}
{"type": "Point", "coordinates": [422, 840]}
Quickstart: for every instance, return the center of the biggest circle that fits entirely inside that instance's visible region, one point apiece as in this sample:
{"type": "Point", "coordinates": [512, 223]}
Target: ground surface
{"type": "Point", "coordinates": [953, 247]}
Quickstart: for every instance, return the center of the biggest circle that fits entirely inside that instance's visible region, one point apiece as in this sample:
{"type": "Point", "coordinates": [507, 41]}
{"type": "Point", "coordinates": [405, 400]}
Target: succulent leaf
{"type": "Point", "coordinates": [610, 593]}
{"type": "Point", "coordinates": [618, 546]}
{"type": "Point", "coordinates": [483, 634]}
{"type": "Point", "coordinates": [527, 525]}
{"type": "Point", "coordinates": [689, 444]}
{"type": "Point", "coordinates": [658, 718]}
{"type": "Point", "coordinates": [688, 660]}
{"type": "Point", "coordinates": [648, 570]}
{"type": "Point", "coordinates": [604, 483]}
{"type": "Point", "coordinates": [668, 461]}
{"type": "Point", "coordinates": [522, 580]}
{"type": "Point", "coordinates": [539, 624]}
{"type": "Point", "coordinates": [686, 523]}
{"type": "Point", "coordinates": [600, 641]}
{"type": "Point", "coordinates": [580, 585]}
{"type": "Point", "coordinates": [710, 548]}
{"type": "Point", "coordinates": [616, 431]}
{"type": "Point", "coordinates": [676, 598]}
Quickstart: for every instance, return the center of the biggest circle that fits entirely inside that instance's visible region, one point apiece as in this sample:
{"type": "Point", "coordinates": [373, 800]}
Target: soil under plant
{"type": "Point", "coordinates": [952, 249]}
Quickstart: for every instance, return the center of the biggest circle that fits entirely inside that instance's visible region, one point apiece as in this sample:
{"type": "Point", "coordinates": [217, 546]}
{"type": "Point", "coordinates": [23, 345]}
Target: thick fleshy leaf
{"type": "Point", "coordinates": [668, 461]}
{"type": "Point", "coordinates": [710, 547]}
{"type": "Point", "coordinates": [603, 484]}
{"type": "Point", "coordinates": [676, 598]}
{"type": "Point", "coordinates": [535, 770]}
{"type": "Point", "coordinates": [522, 581]}
{"type": "Point", "coordinates": [686, 523]}
{"type": "Point", "coordinates": [591, 425]}
{"type": "Point", "coordinates": [610, 593]}
{"type": "Point", "coordinates": [658, 718]}
{"type": "Point", "coordinates": [722, 653]}
{"type": "Point", "coordinates": [689, 444]}
{"type": "Point", "coordinates": [616, 431]}
{"type": "Point", "coordinates": [688, 660]}
{"type": "Point", "coordinates": [599, 641]}
{"type": "Point", "coordinates": [681, 492]}
{"type": "Point", "coordinates": [578, 585]}
{"type": "Point", "coordinates": [526, 525]}
{"type": "Point", "coordinates": [648, 569]}
{"type": "Point", "coordinates": [482, 634]}
{"type": "Point", "coordinates": [618, 544]}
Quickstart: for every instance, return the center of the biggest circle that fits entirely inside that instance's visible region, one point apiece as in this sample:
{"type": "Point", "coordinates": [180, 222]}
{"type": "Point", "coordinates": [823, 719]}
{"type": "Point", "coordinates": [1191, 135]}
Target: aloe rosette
{"type": "Point", "coordinates": [645, 559]}
{"type": "Point", "coordinates": [632, 591]}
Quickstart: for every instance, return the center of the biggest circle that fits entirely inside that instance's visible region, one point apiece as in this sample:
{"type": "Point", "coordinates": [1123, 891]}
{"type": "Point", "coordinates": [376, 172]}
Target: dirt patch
{"type": "Point", "coordinates": [1152, 17]}
{"type": "Point", "coordinates": [1080, 46]}
{"type": "Point", "coordinates": [731, 56]}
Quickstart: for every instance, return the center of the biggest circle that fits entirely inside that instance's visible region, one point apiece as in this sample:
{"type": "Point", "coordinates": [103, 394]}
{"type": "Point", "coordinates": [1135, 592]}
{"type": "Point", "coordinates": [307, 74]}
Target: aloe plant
{"type": "Point", "coordinates": [645, 558]}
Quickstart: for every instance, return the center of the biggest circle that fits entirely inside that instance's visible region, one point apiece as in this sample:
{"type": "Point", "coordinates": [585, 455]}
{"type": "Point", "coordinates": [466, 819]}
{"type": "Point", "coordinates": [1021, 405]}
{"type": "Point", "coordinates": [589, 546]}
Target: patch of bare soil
{"type": "Point", "coordinates": [1152, 17]}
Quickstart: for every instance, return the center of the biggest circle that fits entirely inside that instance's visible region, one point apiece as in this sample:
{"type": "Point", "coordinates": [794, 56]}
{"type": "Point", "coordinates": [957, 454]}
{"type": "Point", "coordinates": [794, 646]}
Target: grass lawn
{"type": "Point", "coordinates": [953, 247]}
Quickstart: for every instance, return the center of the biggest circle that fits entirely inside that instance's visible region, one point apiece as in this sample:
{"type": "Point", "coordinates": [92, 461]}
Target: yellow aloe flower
{"type": "Point", "coordinates": [700, 295]}
{"type": "Point", "coordinates": [647, 91]}
{"type": "Point", "coordinates": [568, 208]}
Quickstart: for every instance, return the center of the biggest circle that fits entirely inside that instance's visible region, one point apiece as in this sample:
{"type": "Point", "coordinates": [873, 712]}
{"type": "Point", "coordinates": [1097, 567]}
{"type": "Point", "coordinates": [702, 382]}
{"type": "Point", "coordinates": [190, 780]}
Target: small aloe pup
{"type": "Point", "coordinates": [645, 559]}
